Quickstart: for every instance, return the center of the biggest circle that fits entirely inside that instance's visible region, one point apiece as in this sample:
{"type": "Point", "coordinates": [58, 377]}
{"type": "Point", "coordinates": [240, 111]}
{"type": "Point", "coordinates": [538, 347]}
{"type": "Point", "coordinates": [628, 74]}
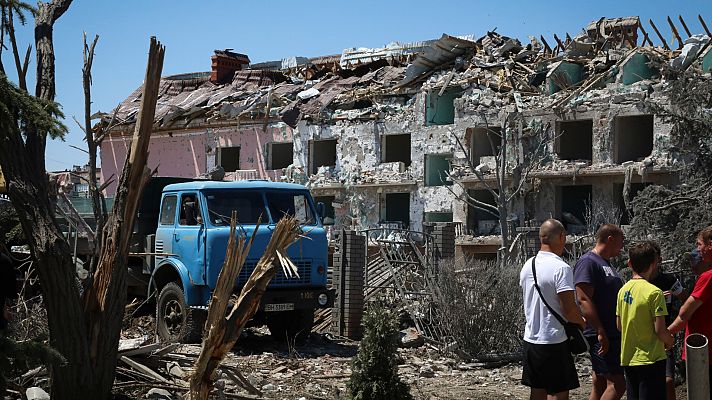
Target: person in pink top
{"type": "Point", "coordinates": [695, 313]}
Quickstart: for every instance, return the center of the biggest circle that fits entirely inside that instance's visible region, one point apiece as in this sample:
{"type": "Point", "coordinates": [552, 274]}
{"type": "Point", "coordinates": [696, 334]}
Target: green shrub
{"type": "Point", "coordinates": [375, 367]}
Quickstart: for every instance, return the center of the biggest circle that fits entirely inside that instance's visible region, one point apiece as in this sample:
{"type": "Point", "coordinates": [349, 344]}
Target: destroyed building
{"type": "Point", "coordinates": [374, 132]}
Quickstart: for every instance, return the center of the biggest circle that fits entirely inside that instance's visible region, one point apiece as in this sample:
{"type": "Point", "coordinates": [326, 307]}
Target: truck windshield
{"type": "Point", "coordinates": [294, 204]}
{"type": "Point", "coordinates": [249, 206]}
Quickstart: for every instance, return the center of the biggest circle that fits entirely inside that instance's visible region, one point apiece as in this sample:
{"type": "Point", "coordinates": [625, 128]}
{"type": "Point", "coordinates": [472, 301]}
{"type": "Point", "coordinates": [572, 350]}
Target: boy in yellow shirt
{"type": "Point", "coordinates": [640, 316]}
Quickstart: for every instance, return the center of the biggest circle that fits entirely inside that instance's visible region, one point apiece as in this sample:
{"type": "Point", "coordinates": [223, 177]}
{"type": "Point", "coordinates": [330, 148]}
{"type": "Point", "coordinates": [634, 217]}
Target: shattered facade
{"type": "Point", "coordinates": [374, 132]}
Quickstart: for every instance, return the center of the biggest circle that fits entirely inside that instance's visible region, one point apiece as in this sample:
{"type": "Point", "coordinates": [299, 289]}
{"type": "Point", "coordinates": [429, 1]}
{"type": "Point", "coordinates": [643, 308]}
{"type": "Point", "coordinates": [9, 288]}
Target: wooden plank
{"type": "Point", "coordinates": [142, 350]}
{"type": "Point", "coordinates": [645, 35]}
{"type": "Point", "coordinates": [130, 344]}
{"type": "Point", "coordinates": [657, 32]}
{"type": "Point", "coordinates": [674, 32]}
{"type": "Point", "coordinates": [684, 26]}
{"type": "Point", "coordinates": [704, 25]}
{"type": "Point", "coordinates": [143, 369]}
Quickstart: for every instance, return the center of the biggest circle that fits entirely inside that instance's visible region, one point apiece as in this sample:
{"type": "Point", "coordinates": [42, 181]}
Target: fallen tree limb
{"type": "Point", "coordinates": [223, 332]}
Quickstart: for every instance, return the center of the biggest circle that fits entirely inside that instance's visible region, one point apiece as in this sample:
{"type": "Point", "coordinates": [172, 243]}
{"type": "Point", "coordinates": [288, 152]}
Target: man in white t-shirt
{"type": "Point", "coordinates": [549, 368]}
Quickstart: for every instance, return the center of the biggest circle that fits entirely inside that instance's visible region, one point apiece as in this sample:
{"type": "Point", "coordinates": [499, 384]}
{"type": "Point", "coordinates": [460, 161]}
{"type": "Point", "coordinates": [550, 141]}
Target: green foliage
{"type": "Point", "coordinates": [21, 112]}
{"type": "Point", "coordinates": [18, 9]}
{"type": "Point", "coordinates": [21, 356]}
{"type": "Point", "coordinates": [673, 216]}
{"type": "Point", "coordinates": [375, 367]}
{"type": "Point", "coordinates": [10, 229]}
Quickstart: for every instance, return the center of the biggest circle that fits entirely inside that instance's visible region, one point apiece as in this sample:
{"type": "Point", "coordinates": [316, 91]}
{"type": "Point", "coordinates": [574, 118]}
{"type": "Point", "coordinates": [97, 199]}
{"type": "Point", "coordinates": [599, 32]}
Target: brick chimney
{"type": "Point", "coordinates": [224, 65]}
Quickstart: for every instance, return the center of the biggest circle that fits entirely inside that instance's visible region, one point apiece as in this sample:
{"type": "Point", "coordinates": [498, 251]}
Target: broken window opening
{"type": "Point", "coordinates": [396, 148]}
{"type": "Point", "coordinates": [574, 140]}
{"type": "Point", "coordinates": [635, 189]}
{"type": "Point", "coordinates": [229, 158]}
{"type": "Point", "coordinates": [397, 209]}
{"type": "Point", "coordinates": [440, 110]}
{"type": "Point", "coordinates": [328, 201]}
{"type": "Point", "coordinates": [280, 155]}
{"type": "Point", "coordinates": [322, 153]}
{"type": "Point", "coordinates": [633, 138]}
{"type": "Point", "coordinates": [437, 167]}
{"type": "Point", "coordinates": [480, 145]}
{"type": "Point", "coordinates": [571, 207]}
{"type": "Point", "coordinates": [481, 222]}
{"type": "Point", "coordinates": [437, 217]}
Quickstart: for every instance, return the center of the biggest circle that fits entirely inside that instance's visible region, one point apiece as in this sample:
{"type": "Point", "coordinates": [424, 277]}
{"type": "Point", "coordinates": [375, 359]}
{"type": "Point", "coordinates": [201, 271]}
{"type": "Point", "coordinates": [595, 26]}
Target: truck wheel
{"type": "Point", "coordinates": [294, 326]}
{"type": "Point", "coordinates": [175, 321]}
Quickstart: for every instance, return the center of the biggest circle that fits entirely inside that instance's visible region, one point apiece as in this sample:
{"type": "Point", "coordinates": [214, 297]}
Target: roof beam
{"type": "Point", "coordinates": [662, 39]}
{"type": "Point", "coordinates": [704, 26]}
{"type": "Point", "coordinates": [674, 32]}
{"type": "Point", "coordinates": [684, 26]}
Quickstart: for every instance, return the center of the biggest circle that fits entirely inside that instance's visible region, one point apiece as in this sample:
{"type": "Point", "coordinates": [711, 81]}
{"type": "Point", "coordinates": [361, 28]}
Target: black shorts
{"type": "Point", "coordinates": [670, 364]}
{"type": "Point", "coordinates": [646, 382]}
{"type": "Point", "coordinates": [550, 367]}
{"type": "Point", "coordinates": [609, 363]}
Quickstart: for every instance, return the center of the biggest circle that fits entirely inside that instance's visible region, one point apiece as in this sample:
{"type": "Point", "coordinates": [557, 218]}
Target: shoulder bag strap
{"type": "Point", "coordinates": [536, 285]}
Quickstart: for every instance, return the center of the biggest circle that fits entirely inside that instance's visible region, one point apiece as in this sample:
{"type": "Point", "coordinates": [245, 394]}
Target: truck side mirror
{"type": "Point", "coordinates": [321, 210]}
{"type": "Point", "coordinates": [327, 221]}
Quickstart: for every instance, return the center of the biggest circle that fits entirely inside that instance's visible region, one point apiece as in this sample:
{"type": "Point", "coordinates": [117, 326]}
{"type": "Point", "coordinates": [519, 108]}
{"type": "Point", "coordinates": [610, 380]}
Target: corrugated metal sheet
{"type": "Point", "coordinates": [615, 23]}
{"type": "Point", "coordinates": [439, 52]}
{"type": "Point", "coordinates": [355, 56]}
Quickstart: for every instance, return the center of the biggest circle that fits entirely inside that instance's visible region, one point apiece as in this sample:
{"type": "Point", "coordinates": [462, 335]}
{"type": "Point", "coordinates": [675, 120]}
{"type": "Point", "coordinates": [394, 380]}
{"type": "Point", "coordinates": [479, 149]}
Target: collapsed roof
{"type": "Point", "coordinates": [362, 84]}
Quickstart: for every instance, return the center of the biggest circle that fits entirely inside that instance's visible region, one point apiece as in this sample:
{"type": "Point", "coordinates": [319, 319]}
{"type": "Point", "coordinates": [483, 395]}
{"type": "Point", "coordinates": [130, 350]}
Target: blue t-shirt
{"type": "Point", "coordinates": [592, 268]}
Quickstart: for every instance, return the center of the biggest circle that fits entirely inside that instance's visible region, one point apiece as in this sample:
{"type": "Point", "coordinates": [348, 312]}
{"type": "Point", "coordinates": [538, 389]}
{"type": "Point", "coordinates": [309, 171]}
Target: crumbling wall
{"type": "Point", "coordinates": [190, 153]}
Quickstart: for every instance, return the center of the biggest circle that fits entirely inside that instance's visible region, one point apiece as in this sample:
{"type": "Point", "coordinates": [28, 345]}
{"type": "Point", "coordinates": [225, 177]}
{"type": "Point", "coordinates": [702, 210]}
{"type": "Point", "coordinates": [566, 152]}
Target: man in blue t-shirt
{"type": "Point", "coordinates": [597, 284]}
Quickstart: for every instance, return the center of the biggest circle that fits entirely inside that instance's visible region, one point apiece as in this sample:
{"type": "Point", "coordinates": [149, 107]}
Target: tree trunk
{"type": "Point", "coordinates": [86, 336]}
{"type": "Point", "coordinates": [97, 198]}
{"type": "Point", "coordinates": [223, 332]}
{"type": "Point", "coordinates": [24, 166]}
{"type": "Point", "coordinates": [502, 204]}
{"type": "Point", "coordinates": [106, 299]}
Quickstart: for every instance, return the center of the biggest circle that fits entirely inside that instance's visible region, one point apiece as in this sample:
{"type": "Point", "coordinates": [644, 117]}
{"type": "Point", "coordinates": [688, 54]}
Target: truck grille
{"type": "Point", "coordinates": [304, 268]}
{"type": "Point", "coordinates": [158, 248]}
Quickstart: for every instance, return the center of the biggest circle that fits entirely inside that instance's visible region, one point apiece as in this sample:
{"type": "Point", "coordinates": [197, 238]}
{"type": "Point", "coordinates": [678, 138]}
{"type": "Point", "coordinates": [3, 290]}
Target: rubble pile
{"type": "Point", "coordinates": [363, 84]}
{"type": "Point", "coordinates": [339, 111]}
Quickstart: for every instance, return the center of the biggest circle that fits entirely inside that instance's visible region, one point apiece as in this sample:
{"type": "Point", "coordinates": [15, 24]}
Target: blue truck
{"type": "Point", "coordinates": [180, 243]}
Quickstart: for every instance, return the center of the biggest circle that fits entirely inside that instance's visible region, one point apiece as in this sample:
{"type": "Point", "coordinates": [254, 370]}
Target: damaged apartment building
{"type": "Point", "coordinates": [374, 132]}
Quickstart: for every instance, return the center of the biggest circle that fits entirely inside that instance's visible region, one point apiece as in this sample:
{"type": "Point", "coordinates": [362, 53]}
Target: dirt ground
{"type": "Point", "coordinates": [320, 369]}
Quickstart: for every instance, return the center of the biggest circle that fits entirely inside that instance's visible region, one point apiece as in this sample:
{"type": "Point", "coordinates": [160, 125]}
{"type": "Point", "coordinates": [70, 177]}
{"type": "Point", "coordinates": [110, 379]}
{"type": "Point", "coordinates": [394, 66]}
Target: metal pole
{"type": "Point", "coordinates": [697, 366]}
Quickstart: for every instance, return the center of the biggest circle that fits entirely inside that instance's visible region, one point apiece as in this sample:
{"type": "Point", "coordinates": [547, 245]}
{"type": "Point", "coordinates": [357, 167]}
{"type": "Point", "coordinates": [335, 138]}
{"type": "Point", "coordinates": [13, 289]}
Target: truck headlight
{"type": "Point", "coordinates": [323, 299]}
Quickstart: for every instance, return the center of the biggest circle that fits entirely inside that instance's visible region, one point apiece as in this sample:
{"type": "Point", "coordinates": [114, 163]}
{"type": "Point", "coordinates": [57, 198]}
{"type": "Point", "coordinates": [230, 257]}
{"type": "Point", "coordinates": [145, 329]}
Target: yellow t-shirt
{"type": "Point", "coordinates": [639, 302]}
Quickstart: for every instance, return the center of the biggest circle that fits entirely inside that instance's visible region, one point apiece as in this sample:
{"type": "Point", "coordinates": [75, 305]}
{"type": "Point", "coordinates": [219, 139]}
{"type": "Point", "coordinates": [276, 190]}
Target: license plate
{"type": "Point", "coordinates": [279, 307]}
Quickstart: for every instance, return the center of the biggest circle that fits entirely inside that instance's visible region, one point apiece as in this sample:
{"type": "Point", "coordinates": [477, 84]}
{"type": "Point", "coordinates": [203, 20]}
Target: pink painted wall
{"type": "Point", "coordinates": [185, 153]}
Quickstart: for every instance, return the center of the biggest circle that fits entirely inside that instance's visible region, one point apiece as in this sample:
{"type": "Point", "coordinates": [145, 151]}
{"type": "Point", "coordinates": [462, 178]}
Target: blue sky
{"type": "Point", "coordinates": [277, 29]}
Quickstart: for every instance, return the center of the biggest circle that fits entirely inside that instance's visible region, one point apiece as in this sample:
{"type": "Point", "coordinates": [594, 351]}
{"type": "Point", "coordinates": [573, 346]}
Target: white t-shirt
{"type": "Point", "coordinates": [554, 276]}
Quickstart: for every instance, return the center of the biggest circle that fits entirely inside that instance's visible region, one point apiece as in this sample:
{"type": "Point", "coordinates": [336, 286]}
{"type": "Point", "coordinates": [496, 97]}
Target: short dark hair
{"type": "Point", "coordinates": [642, 255]}
{"type": "Point", "coordinates": [607, 230]}
{"type": "Point", "coordinates": [706, 234]}
{"type": "Point", "coordinates": [550, 229]}
{"type": "Point", "coordinates": [658, 252]}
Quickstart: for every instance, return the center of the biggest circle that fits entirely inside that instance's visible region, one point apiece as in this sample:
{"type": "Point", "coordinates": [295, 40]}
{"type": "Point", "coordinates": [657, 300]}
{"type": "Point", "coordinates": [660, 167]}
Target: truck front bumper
{"type": "Point", "coordinates": [297, 299]}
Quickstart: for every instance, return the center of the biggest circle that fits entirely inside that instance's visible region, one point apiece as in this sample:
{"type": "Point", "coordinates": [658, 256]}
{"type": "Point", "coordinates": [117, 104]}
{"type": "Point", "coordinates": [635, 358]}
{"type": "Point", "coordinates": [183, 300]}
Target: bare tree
{"type": "Point", "coordinates": [85, 331]}
{"type": "Point", "coordinates": [511, 172]}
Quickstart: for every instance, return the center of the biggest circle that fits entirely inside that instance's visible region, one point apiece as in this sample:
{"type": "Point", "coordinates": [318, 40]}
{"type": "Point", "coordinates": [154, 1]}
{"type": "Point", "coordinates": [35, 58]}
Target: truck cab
{"type": "Point", "coordinates": [191, 241]}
